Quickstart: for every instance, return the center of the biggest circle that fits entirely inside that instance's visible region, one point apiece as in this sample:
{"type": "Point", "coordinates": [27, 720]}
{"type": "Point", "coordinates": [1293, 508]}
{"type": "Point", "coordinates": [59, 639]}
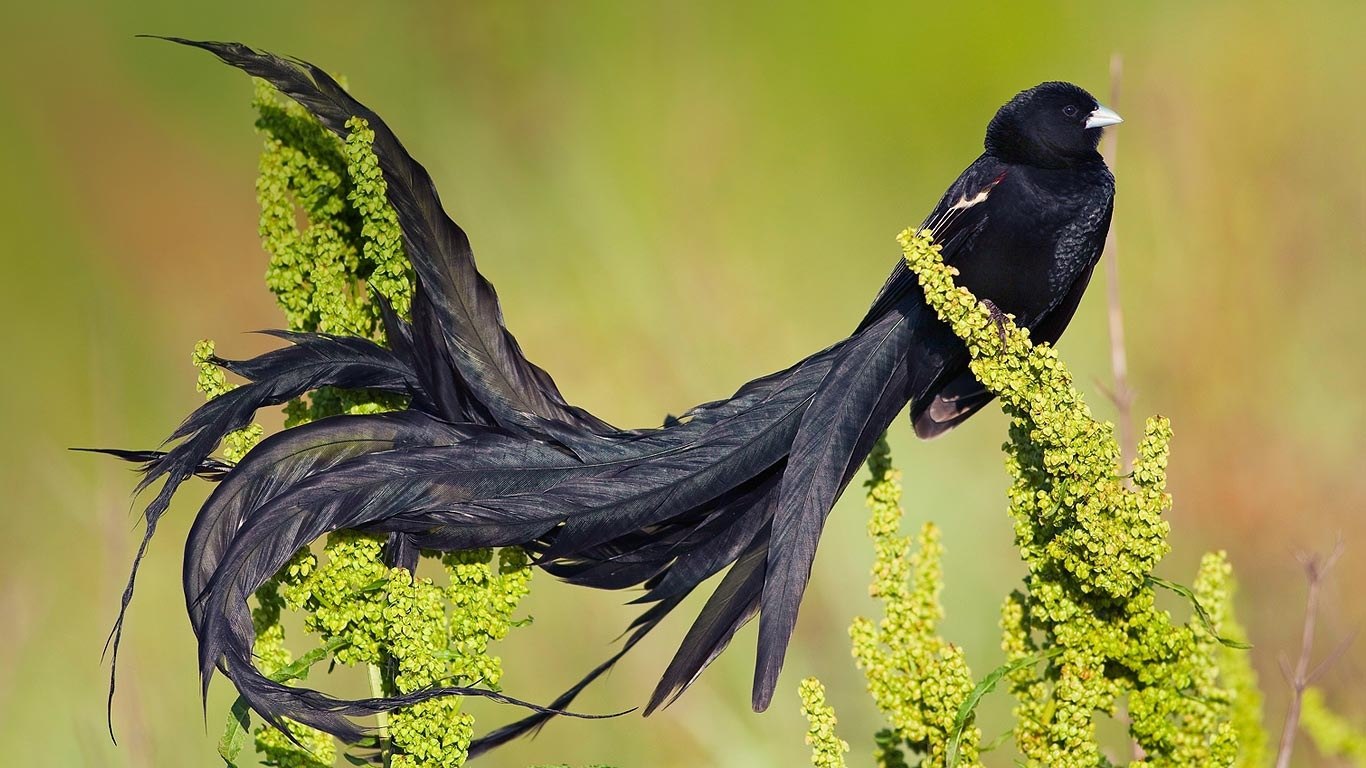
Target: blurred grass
{"type": "Point", "coordinates": [672, 200]}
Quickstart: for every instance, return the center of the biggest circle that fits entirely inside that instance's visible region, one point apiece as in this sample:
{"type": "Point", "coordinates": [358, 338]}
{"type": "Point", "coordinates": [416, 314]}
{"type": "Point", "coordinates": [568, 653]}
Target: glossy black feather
{"type": "Point", "coordinates": [856, 402]}
{"type": "Point", "coordinates": [730, 607]}
{"type": "Point", "coordinates": [209, 469]}
{"type": "Point", "coordinates": [639, 628]}
{"type": "Point", "coordinates": [282, 461]}
{"type": "Point", "coordinates": [493, 489]}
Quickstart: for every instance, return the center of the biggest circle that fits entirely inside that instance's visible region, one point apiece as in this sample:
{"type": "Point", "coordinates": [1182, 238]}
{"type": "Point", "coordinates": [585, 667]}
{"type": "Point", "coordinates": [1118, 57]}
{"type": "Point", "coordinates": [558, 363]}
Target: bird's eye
{"type": "Point", "coordinates": [1069, 110]}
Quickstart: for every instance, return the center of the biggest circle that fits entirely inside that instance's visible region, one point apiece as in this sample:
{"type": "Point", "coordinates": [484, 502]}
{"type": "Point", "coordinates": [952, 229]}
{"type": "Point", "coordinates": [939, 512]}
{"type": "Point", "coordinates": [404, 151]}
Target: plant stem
{"type": "Point", "coordinates": [1120, 394]}
{"type": "Point", "coordinates": [381, 719]}
{"type": "Point", "coordinates": [1314, 569]}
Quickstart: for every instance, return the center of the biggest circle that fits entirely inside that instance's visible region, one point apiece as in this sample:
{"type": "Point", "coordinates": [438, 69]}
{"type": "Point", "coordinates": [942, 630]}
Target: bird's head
{"type": "Point", "coordinates": [1053, 125]}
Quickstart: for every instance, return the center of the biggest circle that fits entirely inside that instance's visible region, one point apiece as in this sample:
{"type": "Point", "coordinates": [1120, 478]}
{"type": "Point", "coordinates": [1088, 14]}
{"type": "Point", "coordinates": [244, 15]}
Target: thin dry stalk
{"type": "Point", "coordinates": [1304, 675]}
{"type": "Point", "coordinates": [1120, 393]}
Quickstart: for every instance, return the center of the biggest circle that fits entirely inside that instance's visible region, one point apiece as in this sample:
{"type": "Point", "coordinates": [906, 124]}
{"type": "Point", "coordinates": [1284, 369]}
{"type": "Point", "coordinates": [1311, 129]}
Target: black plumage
{"type": "Point", "coordinates": [490, 454]}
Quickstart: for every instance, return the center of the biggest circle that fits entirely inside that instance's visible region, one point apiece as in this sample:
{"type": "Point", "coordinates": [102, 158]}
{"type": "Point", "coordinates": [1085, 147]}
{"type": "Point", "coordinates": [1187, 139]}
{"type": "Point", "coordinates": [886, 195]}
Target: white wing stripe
{"type": "Point", "coordinates": [964, 202]}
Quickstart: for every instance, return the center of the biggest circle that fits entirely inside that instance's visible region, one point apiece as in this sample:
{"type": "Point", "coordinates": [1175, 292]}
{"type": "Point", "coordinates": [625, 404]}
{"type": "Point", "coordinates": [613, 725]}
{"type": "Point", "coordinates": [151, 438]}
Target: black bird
{"type": "Point", "coordinates": [490, 454]}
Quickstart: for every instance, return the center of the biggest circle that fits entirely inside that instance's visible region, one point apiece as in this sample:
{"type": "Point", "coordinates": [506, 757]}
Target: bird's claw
{"type": "Point", "coordinates": [998, 317]}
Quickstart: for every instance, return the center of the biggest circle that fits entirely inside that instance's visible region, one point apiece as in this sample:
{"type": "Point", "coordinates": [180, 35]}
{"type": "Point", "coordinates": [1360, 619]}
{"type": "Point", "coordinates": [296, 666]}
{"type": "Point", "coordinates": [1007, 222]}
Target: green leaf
{"type": "Point", "coordinates": [988, 684]}
{"type": "Point", "coordinates": [1001, 738]}
{"type": "Point", "coordinates": [1200, 611]}
{"type": "Point", "coordinates": [298, 669]}
{"type": "Point", "coordinates": [239, 717]}
{"type": "Point", "coordinates": [373, 586]}
{"type": "Point", "coordinates": [239, 723]}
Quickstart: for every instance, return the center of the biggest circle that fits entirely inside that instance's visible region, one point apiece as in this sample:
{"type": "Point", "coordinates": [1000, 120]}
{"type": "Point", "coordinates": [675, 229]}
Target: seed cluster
{"type": "Point", "coordinates": [917, 679]}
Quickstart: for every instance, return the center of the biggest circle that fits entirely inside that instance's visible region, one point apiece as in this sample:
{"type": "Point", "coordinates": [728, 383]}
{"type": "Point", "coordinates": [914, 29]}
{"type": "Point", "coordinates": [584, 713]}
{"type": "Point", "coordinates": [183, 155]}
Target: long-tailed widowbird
{"type": "Point", "coordinates": [489, 454]}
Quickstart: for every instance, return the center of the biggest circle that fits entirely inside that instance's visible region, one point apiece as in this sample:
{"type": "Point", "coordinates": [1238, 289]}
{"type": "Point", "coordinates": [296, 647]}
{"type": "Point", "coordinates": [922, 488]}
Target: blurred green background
{"type": "Point", "coordinates": [673, 199]}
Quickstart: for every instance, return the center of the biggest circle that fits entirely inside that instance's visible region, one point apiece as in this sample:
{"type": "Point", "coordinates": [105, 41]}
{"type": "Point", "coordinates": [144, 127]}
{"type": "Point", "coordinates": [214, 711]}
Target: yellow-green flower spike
{"type": "Point", "coordinates": [917, 679]}
{"type": "Point", "coordinates": [343, 595]}
{"type": "Point", "coordinates": [1215, 587]}
{"type": "Point", "coordinates": [322, 274]}
{"type": "Point", "coordinates": [310, 748]}
{"type": "Point", "coordinates": [383, 264]}
{"type": "Point", "coordinates": [213, 382]}
{"type": "Point", "coordinates": [827, 748]}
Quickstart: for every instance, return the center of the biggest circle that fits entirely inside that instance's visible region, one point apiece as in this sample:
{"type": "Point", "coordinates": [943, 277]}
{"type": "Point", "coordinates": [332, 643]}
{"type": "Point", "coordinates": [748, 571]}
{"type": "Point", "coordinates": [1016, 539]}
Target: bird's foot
{"type": "Point", "coordinates": [998, 317]}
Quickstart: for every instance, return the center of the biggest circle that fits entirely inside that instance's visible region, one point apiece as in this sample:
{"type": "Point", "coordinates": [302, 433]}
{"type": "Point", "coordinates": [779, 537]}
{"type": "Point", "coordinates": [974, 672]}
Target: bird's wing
{"type": "Point", "coordinates": [964, 395]}
{"type": "Point", "coordinates": [468, 325]}
{"type": "Point", "coordinates": [958, 217]}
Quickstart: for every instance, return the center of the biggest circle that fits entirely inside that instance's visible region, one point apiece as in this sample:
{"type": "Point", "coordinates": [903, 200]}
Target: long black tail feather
{"type": "Point", "coordinates": [334, 715]}
{"type": "Point", "coordinates": [730, 607]}
{"type": "Point", "coordinates": [530, 724]}
{"type": "Point", "coordinates": [488, 489]}
{"type": "Point", "coordinates": [282, 461]}
{"type": "Point", "coordinates": [210, 469]}
{"type": "Point", "coordinates": [869, 384]}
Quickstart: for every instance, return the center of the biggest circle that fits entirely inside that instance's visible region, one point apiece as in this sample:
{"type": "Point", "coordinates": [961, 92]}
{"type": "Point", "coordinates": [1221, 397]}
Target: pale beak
{"type": "Point", "coordinates": [1103, 116]}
